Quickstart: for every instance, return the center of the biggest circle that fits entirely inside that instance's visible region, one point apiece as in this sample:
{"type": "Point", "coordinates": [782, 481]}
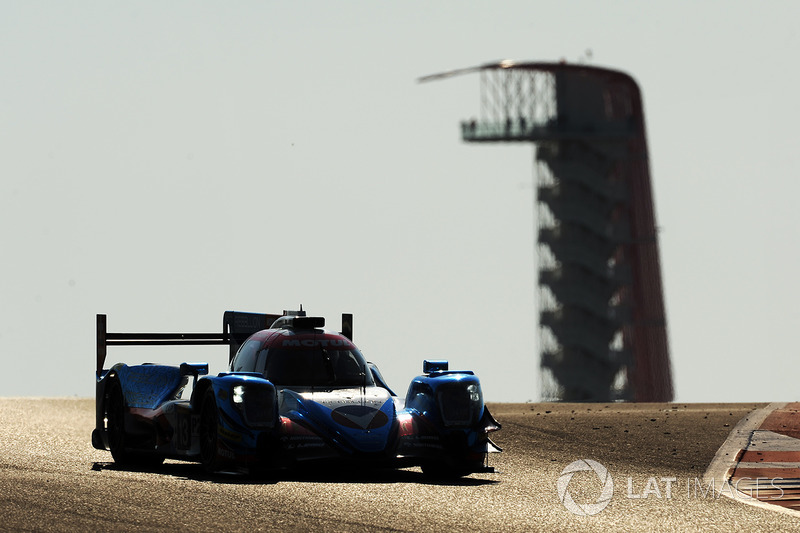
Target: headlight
{"type": "Point", "coordinates": [238, 394]}
{"type": "Point", "coordinates": [474, 393]}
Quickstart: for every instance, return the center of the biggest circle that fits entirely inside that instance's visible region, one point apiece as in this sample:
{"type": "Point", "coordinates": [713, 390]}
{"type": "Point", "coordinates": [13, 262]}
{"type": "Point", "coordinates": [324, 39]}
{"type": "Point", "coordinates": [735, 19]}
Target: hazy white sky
{"type": "Point", "coordinates": [164, 163]}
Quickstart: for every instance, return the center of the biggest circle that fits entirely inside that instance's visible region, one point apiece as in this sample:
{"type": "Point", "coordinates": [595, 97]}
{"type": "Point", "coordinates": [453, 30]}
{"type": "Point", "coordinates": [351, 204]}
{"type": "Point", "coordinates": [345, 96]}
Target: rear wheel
{"type": "Point", "coordinates": [117, 438]}
{"type": "Point", "coordinates": [209, 433]}
{"type": "Point", "coordinates": [115, 422]}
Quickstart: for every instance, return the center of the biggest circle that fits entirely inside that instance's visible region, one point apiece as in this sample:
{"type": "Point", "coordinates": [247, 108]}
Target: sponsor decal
{"type": "Point", "coordinates": [359, 417]}
{"type": "Point", "coordinates": [301, 443]}
{"type": "Point", "coordinates": [224, 452]}
{"type": "Point", "coordinates": [228, 434]}
{"type": "Point", "coordinates": [311, 343]}
{"type": "Point", "coordinates": [421, 441]}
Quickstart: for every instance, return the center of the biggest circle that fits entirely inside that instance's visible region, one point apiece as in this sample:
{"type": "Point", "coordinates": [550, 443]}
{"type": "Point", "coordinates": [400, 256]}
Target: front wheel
{"type": "Point", "coordinates": [209, 433]}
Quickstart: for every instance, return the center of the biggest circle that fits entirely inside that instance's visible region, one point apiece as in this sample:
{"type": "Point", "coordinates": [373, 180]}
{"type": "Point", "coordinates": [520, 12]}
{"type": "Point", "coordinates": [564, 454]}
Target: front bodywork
{"type": "Point", "coordinates": [364, 425]}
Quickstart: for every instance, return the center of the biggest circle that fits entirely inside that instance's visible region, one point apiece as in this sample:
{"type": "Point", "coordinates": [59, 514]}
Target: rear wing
{"type": "Point", "coordinates": [236, 328]}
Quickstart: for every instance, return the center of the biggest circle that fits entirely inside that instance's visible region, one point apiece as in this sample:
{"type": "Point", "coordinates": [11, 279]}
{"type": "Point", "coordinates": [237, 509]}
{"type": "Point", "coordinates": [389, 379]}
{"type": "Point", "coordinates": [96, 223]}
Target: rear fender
{"type": "Point", "coordinates": [143, 386]}
{"type": "Point", "coordinates": [147, 386]}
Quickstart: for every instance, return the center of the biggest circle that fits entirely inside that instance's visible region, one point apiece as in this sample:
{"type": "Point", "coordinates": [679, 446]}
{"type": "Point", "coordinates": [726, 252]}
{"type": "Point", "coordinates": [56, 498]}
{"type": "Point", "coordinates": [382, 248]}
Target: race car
{"type": "Point", "coordinates": [294, 394]}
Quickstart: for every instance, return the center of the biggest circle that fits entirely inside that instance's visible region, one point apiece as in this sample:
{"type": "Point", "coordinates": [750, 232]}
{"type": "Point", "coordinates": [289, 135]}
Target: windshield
{"type": "Point", "coordinates": [317, 366]}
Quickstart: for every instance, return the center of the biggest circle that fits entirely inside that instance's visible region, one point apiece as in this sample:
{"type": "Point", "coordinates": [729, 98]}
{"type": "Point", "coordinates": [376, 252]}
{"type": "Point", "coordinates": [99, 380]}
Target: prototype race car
{"type": "Point", "coordinates": [294, 393]}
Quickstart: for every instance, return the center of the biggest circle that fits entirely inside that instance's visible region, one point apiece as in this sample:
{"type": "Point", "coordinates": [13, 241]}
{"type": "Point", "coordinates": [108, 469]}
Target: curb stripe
{"type": "Point", "coordinates": [724, 465]}
{"type": "Point", "coordinates": [753, 456]}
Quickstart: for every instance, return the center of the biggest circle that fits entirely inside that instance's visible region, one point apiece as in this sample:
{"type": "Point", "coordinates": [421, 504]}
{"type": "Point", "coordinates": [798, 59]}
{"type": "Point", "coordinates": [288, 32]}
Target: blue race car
{"type": "Point", "coordinates": [294, 393]}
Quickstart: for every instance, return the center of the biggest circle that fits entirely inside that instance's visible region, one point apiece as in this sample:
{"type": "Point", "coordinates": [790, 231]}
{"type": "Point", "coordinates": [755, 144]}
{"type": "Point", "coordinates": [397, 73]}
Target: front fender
{"type": "Point", "coordinates": [245, 401]}
{"type": "Point", "coordinates": [451, 400]}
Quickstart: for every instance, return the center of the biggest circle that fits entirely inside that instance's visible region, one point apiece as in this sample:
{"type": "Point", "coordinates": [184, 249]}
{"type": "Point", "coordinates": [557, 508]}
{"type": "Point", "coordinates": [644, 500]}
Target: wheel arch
{"type": "Point", "coordinates": [199, 393]}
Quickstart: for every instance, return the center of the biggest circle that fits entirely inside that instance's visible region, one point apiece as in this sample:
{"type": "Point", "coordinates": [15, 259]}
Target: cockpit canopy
{"type": "Point", "coordinates": [304, 360]}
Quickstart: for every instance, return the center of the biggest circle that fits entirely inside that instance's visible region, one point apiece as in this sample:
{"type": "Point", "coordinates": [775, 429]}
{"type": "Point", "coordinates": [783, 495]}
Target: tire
{"type": "Point", "coordinates": [209, 433]}
{"type": "Point", "coordinates": [115, 425]}
{"type": "Point", "coordinates": [117, 438]}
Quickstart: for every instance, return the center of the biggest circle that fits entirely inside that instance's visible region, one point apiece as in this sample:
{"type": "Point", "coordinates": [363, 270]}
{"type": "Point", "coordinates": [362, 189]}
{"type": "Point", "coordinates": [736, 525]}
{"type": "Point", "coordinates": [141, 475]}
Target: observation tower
{"type": "Point", "coordinates": [603, 334]}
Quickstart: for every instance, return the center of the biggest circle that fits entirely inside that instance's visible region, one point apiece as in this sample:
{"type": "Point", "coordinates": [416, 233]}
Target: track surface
{"type": "Point", "coordinates": [51, 479]}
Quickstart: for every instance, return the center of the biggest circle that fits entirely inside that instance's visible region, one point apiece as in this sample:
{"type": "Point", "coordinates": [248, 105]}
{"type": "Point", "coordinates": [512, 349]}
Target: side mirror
{"type": "Point", "coordinates": [439, 365]}
{"type": "Point", "coordinates": [194, 369]}
{"type": "Point", "coordinates": [378, 377]}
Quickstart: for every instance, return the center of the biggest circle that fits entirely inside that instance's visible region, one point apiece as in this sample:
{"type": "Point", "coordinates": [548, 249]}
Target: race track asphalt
{"type": "Point", "coordinates": [51, 479]}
